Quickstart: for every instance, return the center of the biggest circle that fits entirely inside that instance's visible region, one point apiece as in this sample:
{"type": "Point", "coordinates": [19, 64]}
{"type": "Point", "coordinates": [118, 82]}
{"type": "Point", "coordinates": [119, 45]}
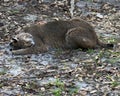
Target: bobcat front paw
{"type": "Point", "coordinates": [23, 51]}
{"type": "Point", "coordinates": [18, 52]}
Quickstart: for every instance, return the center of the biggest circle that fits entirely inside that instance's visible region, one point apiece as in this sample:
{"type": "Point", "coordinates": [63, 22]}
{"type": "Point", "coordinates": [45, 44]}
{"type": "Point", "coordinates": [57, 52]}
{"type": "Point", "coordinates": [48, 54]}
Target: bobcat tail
{"type": "Point", "coordinates": [103, 45]}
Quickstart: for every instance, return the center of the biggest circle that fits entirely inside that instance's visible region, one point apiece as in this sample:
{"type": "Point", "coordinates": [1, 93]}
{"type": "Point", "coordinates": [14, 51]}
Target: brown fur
{"type": "Point", "coordinates": [69, 34]}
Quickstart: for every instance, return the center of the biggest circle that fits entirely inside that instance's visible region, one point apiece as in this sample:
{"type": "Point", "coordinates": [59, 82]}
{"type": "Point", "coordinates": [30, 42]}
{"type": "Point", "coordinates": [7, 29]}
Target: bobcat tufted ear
{"type": "Point", "coordinates": [15, 40]}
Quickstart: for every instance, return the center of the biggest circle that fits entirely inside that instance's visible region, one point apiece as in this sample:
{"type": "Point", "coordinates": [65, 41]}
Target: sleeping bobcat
{"type": "Point", "coordinates": [69, 34]}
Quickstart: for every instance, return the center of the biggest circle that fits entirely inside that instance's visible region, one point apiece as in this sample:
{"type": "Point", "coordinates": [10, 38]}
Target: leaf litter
{"type": "Point", "coordinates": [59, 73]}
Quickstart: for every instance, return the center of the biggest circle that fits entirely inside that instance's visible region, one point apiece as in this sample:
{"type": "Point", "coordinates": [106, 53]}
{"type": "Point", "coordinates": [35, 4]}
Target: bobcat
{"type": "Point", "coordinates": [69, 34]}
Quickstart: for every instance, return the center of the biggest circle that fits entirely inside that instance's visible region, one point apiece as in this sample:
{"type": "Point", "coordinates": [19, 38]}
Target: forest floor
{"type": "Point", "coordinates": [60, 73]}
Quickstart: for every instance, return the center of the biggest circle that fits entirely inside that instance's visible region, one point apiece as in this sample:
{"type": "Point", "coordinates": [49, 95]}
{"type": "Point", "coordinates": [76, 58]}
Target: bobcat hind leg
{"type": "Point", "coordinates": [78, 38]}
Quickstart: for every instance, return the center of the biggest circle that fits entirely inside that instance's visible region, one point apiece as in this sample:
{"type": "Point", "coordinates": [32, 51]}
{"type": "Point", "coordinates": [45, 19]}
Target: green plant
{"type": "Point", "coordinates": [90, 51]}
{"type": "Point", "coordinates": [57, 91]}
{"type": "Point", "coordinates": [73, 90]}
{"type": "Point", "coordinates": [112, 40]}
{"type": "Point", "coordinates": [58, 52]}
{"type": "Point", "coordinates": [115, 83]}
{"type": "Point", "coordinates": [99, 56]}
{"type": "Point", "coordinates": [2, 71]}
{"type": "Point", "coordinates": [59, 83]}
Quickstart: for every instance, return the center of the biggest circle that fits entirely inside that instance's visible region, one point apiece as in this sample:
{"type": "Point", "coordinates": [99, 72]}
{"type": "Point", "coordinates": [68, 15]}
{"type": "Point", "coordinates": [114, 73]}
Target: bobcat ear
{"type": "Point", "coordinates": [14, 40]}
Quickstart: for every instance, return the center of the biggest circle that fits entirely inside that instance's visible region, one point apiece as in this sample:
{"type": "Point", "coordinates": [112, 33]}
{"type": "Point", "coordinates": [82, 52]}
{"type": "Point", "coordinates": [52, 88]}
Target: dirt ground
{"type": "Point", "coordinates": [60, 73]}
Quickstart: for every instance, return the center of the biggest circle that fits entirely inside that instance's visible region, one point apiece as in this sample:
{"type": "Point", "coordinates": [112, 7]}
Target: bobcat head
{"type": "Point", "coordinates": [21, 41]}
